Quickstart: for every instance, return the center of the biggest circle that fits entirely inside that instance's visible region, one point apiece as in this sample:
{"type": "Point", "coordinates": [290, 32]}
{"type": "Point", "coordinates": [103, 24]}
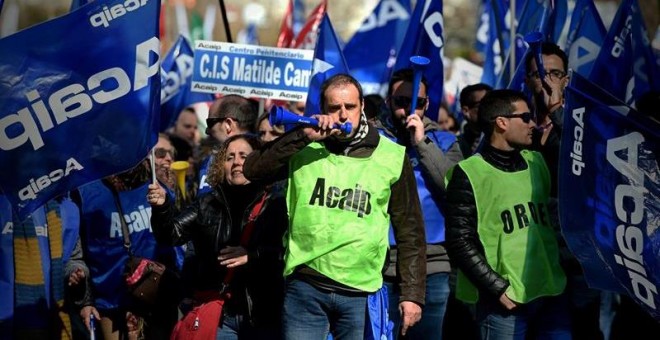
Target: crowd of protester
{"type": "Point", "coordinates": [456, 218]}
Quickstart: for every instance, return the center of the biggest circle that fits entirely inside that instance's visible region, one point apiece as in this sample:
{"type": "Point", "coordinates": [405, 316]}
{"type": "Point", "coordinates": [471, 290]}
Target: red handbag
{"type": "Point", "coordinates": [202, 322]}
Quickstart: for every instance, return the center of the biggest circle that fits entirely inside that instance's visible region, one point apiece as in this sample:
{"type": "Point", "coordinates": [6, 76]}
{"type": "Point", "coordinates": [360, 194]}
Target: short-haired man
{"type": "Point", "coordinates": [185, 126]}
{"type": "Point", "coordinates": [470, 98]}
{"type": "Point", "coordinates": [499, 231]}
{"type": "Point", "coordinates": [343, 192]}
{"type": "Point", "coordinates": [234, 115]}
{"type": "Point", "coordinates": [432, 152]}
{"type": "Point", "coordinates": [548, 103]}
{"type": "Point", "coordinates": [548, 93]}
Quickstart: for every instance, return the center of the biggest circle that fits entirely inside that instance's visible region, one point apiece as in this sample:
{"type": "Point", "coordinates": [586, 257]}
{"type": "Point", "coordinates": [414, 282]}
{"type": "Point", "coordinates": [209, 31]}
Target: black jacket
{"type": "Point", "coordinates": [257, 287]}
{"type": "Point", "coordinates": [465, 248]}
{"type": "Point", "coordinates": [271, 163]}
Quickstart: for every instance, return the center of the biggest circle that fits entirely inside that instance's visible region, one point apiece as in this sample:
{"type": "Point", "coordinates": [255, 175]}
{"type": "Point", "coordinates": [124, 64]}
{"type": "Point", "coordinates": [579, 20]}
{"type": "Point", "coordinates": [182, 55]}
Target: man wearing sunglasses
{"type": "Point", "coordinates": [231, 115]}
{"type": "Point", "coordinates": [432, 152]}
{"type": "Point", "coordinates": [499, 232]}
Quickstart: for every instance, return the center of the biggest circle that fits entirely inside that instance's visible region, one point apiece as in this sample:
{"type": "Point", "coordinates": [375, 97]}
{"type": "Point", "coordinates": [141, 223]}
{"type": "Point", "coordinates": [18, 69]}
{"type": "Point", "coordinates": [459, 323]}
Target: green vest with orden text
{"type": "Point", "coordinates": [338, 219]}
{"type": "Point", "coordinates": [514, 228]}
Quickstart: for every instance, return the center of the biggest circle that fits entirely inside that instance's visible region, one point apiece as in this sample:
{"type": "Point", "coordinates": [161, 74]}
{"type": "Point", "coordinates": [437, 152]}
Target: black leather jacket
{"type": "Point", "coordinates": [257, 287]}
{"type": "Point", "coordinates": [463, 244]}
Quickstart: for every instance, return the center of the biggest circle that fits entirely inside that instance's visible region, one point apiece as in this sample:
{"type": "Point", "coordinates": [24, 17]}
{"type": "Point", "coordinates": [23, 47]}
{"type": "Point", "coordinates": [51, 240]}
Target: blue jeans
{"type": "Point", "coordinates": [310, 313]}
{"type": "Point", "coordinates": [236, 327]}
{"type": "Point", "coordinates": [435, 305]}
{"type": "Point", "coordinates": [543, 318]}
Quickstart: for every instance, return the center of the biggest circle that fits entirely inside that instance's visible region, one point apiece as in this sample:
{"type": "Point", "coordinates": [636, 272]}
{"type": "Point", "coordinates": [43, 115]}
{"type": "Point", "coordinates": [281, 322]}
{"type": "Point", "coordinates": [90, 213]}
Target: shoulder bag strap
{"type": "Point", "coordinates": [124, 227]}
{"type": "Point", "coordinates": [245, 236]}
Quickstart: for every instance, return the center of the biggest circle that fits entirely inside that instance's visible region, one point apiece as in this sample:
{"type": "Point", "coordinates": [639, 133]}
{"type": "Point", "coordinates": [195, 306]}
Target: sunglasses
{"type": "Point", "coordinates": [161, 153]}
{"type": "Point", "coordinates": [404, 102]}
{"type": "Point", "coordinates": [525, 116]}
{"type": "Point", "coordinates": [212, 121]}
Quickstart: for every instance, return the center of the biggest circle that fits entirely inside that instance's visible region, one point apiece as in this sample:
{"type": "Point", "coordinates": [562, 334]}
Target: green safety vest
{"type": "Point", "coordinates": [338, 219]}
{"type": "Point", "coordinates": [514, 228]}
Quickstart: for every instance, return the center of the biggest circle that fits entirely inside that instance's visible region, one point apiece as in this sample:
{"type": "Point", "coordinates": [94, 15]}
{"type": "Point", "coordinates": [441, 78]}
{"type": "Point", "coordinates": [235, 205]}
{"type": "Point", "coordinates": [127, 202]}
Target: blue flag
{"type": "Point", "coordinates": [483, 26]}
{"type": "Point", "coordinates": [547, 17]}
{"type": "Point", "coordinates": [378, 325]}
{"type": "Point", "coordinates": [6, 266]}
{"type": "Point", "coordinates": [368, 55]}
{"type": "Point", "coordinates": [75, 4]}
{"type": "Point", "coordinates": [425, 38]}
{"type": "Point", "coordinates": [609, 196]}
{"type": "Point", "coordinates": [495, 34]}
{"type": "Point", "coordinates": [77, 109]}
{"type": "Point", "coordinates": [248, 35]}
{"type": "Point", "coordinates": [175, 75]}
{"type": "Point", "coordinates": [328, 61]}
{"type": "Point", "coordinates": [298, 16]}
{"type": "Point", "coordinates": [585, 37]}
{"type": "Point", "coordinates": [626, 66]}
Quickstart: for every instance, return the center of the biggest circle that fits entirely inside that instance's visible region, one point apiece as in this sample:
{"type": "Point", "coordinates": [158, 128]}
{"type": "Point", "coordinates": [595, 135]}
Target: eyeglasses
{"type": "Point", "coordinates": [212, 121]}
{"type": "Point", "coordinates": [404, 102]}
{"type": "Point", "coordinates": [525, 116]}
{"type": "Point", "coordinates": [554, 74]}
{"type": "Point", "coordinates": [162, 152]}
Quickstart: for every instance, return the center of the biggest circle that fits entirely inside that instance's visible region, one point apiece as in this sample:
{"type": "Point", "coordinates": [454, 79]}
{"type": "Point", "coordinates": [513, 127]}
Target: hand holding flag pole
{"type": "Point", "coordinates": [534, 40]}
{"type": "Point", "coordinates": [152, 163]}
{"type": "Point", "coordinates": [418, 65]}
{"type": "Point", "coordinates": [92, 327]}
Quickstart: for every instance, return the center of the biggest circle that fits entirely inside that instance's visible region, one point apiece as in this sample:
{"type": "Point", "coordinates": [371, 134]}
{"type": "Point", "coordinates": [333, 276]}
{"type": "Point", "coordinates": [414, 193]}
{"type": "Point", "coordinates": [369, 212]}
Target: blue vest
{"type": "Point", "coordinates": [434, 219]}
{"type": "Point", "coordinates": [103, 242]}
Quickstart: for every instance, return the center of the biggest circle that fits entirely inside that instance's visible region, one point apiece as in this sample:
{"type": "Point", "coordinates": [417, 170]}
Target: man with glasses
{"type": "Point", "coordinates": [499, 232]}
{"type": "Point", "coordinates": [548, 102]}
{"type": "Point", "coordinates": [234, 115]}
{"type": "Point", "coordinates": [548, 97]}
{"type": "Point", "coordinates": [432, 152]}
{"type": "Point", "coordinates": [470, 98]}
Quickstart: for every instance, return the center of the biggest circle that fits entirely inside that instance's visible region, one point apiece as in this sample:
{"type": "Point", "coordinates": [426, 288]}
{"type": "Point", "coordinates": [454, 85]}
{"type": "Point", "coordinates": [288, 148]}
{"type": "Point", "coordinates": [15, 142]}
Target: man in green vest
{"type": "Point", "coordinates": [344, 190]}
{"type": "Point", "coordinates": [499, 232]}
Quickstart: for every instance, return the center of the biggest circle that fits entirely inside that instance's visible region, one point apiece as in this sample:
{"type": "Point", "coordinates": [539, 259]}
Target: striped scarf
{"type": "Point", "coordinates": [62, 323]}
{"type": "Point", "coordinates": [38, 299]}
{"type": "Point", "coordinates": [360, 134]}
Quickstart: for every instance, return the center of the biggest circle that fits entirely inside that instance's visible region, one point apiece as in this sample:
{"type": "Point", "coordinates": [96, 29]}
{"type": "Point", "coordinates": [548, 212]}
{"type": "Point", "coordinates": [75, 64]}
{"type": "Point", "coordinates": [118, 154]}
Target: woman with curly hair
{"type": "Point", "coordinates": [215, 222]}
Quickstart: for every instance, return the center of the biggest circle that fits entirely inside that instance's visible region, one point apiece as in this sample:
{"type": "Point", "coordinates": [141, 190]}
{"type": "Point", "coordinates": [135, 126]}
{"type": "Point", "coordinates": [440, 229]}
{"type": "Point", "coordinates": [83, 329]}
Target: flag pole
{"type": "Point", "coordinates": [512, 27]}
{"type": "Point", "coordinates": [499, 30]}
{"type": "Point", "coordinates": [223, 9]}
